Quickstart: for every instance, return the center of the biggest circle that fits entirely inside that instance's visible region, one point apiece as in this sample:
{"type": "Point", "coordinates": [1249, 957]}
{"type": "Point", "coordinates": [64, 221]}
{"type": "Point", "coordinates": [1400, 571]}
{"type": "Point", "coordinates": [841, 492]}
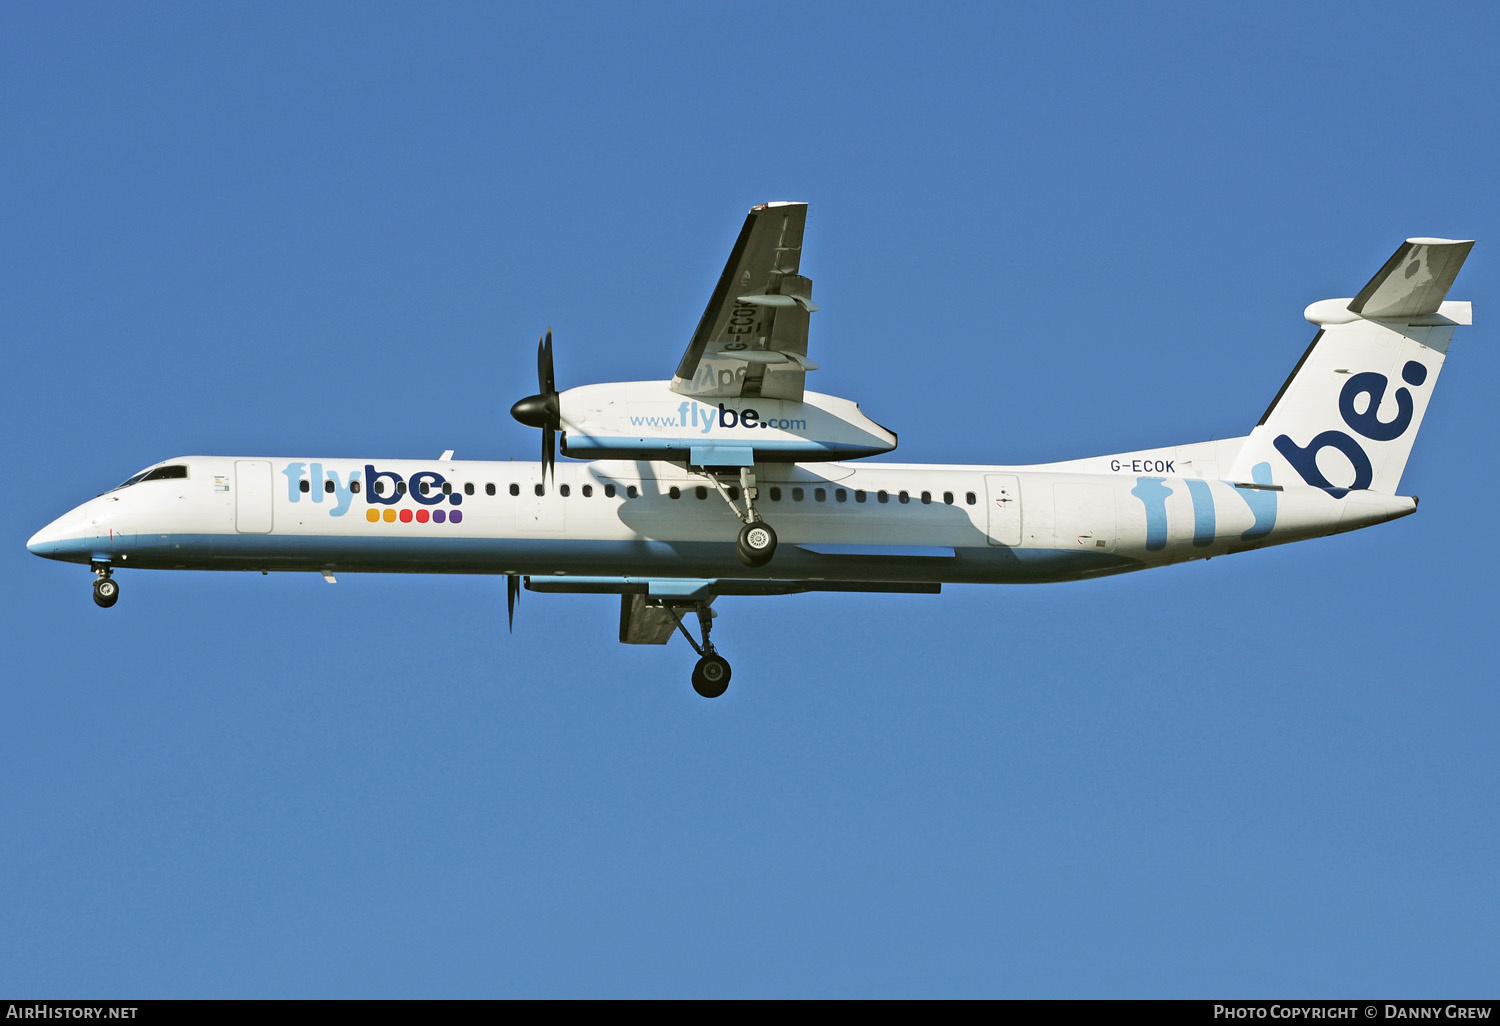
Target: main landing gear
{"type": "Point", "coordinates": [756, 543]}
{"type": "Point", "coordinates": [711, 675]}
{"type": "Point", "coordinates": [106, 591]}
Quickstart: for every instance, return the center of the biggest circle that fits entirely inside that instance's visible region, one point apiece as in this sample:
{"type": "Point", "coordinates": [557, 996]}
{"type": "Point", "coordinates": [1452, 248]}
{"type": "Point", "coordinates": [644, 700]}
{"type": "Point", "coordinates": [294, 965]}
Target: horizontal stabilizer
{"type": "Point", "coordinates": [1414, 280]}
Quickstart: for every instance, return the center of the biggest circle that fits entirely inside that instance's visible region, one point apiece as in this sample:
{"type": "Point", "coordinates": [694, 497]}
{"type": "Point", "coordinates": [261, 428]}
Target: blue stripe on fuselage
{"type": "Point", "coordinates": [590, 557]}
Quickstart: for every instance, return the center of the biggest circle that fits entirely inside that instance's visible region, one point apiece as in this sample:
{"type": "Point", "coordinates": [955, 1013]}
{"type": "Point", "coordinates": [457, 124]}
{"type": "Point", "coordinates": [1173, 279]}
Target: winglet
{"type": "Point", "coordinates": [1414, 280]}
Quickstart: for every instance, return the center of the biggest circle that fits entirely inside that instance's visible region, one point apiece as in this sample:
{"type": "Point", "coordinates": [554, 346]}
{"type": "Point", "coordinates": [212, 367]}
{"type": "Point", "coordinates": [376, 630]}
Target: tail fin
{"type": "Point", "coordinates": [1347, 416]}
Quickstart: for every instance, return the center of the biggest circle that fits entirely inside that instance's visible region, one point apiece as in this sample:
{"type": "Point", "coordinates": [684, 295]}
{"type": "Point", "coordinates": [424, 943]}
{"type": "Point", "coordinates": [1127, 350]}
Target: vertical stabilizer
{"type": "Point", "coordinates": [1348, 414]}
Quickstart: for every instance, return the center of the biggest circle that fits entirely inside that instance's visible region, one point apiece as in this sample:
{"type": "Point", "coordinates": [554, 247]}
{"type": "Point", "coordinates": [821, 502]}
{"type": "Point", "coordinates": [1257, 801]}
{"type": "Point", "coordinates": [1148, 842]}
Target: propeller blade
{"type": "Point", "coordinates": [543, 410]}
{"type": "Point", "coordinates": [512, 592]}
{"type": "Point", "coordinates": [546, 384]}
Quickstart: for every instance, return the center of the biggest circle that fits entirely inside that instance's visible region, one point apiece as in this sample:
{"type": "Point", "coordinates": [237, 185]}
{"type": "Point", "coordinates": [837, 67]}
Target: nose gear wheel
{"type": "Point", "coordinates": [106, 591]}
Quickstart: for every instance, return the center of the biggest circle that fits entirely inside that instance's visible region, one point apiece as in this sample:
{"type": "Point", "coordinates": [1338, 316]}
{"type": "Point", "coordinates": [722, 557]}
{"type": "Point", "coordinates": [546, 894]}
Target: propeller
{"type": "Point", "coordinates": [543, 410]}
{"type": "Point", "coordinates": [512, 593]}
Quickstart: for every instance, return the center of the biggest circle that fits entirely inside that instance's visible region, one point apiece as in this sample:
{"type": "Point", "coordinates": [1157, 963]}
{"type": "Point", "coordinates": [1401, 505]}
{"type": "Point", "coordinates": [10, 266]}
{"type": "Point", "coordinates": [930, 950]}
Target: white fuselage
{"type": "Point", "coordinates": [866, 522]}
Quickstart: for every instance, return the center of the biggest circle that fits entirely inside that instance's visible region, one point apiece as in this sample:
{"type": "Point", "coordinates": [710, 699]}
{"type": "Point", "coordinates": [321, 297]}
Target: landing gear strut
{"type": "Point", "coordinates": [106, 591]}
{"type": "Point", "coordinates": [756, 543]}
{"type": "Point", "coordinates": [711, 674]}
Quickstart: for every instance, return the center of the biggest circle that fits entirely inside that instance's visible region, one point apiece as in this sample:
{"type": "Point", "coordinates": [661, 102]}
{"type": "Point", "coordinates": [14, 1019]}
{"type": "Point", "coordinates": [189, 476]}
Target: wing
{"type": "Point", "coordinates": [647, 603]}
{"type": "Point", "coordinates": [752, 339]}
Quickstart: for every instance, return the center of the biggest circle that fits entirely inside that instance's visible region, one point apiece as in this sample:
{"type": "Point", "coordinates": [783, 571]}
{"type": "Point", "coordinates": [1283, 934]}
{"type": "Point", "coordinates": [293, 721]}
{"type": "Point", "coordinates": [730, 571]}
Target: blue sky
{"type": "Point", "coordinates": [1034, 234]}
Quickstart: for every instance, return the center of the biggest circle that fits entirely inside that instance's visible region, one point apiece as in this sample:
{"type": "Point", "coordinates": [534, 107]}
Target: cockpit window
{"type": "Point", "coordinates": [130, 481]}
{"type": "Point", "coordinates": [176, 471]}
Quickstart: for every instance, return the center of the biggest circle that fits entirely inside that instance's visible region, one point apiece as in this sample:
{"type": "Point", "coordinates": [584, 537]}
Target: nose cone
{"type": "Point", "coordinates": [65, 538]}
{"type": "Point", "coordinates": [44, 542]}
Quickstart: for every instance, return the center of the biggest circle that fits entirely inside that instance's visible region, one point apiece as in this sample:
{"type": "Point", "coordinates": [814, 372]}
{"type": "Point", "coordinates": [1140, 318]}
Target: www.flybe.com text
{"type": "Point", "coordinates": [704, 419]}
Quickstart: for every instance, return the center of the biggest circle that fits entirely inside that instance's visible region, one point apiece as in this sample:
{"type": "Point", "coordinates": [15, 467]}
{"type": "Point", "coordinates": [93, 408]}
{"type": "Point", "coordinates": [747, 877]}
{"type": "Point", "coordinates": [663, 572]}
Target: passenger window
{"type": "Point", "coordinates": [926, 498]}
{"type": "Point", "coordinates": [380, 487]}
{"type": "Point", "coordinates": [859, 495]}
{"type": "Point", "coordinates": [515, 489]}
{"type": "Point", "coordinates": [304, 486]}
{"type": "Point", "coordinates": [775, 494]}
{"type": "Point", "coordinates": [468, 488]}
{"type": "Point", "coordinates": [588, 490]}
{"type": "Point", "coordinates": [969, 498]}
{"type": "Point", "coordinates": [328, 487]}
{"type": "Point", "coordinates": [541, 489]}
{"type": "Point", "coordinates": [821, 494]}
{"type": "Point", "coordinates": [424, 487]}
{"type": "Point", "coordinates": [631, 491]}
{"type": "Point", "coordinates": [882, 496]}
{"type": "Point", "coordinates": [948, 498]}
{"type": "Point", "coordinates": [797, 494]}
{"type": "Point", "coordinates": [447, 488]}
{"type": "Point", "coordinates": [564, 491]}
{"type": "Point", "coordinates": [841, 495]}
{"type": "Point", "coordinates": [489, 489]}
{"type": "Point", "coordinates": [354, 486]}
{"type": "Point", "coordinates": [675, 492]}
{"type": "Point", "coordinates": [609, 491]}
{"type": "Point", "coordinates": [701, 492]}
{"type": "Point", "coordinates": [903, 497]}
{"type": "Point", "coordinates": [400, 487]}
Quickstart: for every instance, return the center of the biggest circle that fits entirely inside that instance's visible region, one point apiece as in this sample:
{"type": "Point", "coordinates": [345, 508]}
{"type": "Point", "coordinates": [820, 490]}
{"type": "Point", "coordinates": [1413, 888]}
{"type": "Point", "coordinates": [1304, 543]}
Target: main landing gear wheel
{"type": "Point", "coordinates": [756, 544]}
{"type": "Point", "coordinates": [106, 592]}
{"type": "Point", "coordinates": [711, 675]}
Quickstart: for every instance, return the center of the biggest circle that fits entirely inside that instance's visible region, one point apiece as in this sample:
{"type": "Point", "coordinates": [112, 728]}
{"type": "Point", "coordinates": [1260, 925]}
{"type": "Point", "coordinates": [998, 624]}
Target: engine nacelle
{"type": "Point", "coordinates": [647, 420]}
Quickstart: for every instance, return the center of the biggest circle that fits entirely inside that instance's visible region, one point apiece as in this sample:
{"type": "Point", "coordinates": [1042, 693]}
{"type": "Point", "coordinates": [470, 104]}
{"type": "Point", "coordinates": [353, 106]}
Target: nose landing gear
{"type": "Point", "coordinates": [106, 591]}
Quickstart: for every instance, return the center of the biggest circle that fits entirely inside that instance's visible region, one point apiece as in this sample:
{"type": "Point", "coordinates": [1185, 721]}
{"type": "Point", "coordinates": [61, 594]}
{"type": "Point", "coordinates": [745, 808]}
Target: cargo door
{"type": "Point", "coordinates": [1004, 494]}
{"type": "Point", "coordinates": [252, 496]}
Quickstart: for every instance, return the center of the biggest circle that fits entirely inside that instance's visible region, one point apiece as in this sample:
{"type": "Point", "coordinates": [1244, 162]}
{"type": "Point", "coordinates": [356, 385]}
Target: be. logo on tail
{"type": "Point", "coordinates": [1366, 421]}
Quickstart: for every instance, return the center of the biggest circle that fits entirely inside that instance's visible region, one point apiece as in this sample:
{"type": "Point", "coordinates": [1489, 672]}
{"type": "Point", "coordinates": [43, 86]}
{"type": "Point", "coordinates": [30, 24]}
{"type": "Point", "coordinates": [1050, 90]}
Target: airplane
{"type": "Point", "coordinates": [733, 478]}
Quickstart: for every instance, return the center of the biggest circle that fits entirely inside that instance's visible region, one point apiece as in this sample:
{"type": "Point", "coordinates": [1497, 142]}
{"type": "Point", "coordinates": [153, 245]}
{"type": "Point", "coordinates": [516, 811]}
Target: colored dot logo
{"type": "Point", "coordinates": [421, 516]}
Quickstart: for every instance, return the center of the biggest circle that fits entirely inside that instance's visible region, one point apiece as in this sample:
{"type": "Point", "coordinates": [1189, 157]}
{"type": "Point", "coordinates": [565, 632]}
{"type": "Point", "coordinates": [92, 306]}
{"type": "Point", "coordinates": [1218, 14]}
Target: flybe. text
{"type": "Point", "coordinates": [313, 482]}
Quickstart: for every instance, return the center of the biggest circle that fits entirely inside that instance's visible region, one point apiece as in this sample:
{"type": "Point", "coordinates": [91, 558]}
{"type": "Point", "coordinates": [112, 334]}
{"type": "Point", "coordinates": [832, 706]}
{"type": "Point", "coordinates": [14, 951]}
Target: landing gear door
{"type": "Point", "coordinates": [252, 496]}
{"type": "Point", "coordinates": [1003, 495]}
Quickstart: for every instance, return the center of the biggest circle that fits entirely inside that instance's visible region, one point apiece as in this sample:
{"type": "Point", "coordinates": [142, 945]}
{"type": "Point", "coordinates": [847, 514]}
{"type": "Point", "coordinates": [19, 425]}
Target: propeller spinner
{"type": "Point", "coordinates": [543, 410]}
